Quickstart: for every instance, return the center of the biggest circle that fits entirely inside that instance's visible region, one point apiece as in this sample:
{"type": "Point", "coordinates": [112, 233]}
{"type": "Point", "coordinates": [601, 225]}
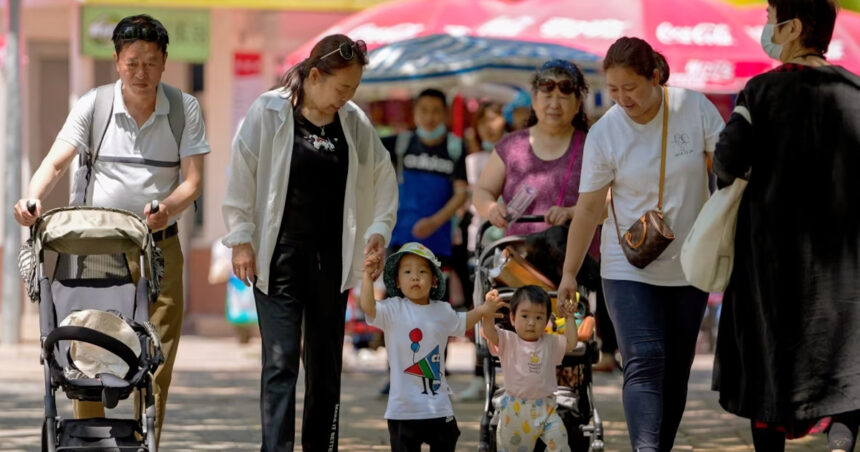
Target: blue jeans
{"type": "Point", "coordinates": [657, 329]}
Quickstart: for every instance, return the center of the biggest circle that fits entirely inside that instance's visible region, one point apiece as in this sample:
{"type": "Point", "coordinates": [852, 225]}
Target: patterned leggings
{"type": "Point", "coordinates": [523, 421]}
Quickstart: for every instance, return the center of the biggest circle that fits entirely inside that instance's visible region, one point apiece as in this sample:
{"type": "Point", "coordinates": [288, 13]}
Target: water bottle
{"type": "Point", "coordinates": [521, 201]}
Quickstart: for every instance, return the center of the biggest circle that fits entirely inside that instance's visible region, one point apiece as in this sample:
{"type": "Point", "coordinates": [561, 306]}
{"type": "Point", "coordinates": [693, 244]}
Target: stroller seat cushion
{"type": "Point", "coordinates": [92, 359]}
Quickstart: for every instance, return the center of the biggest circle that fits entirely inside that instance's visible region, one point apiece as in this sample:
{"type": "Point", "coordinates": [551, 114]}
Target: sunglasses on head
{"type": "Point", "coordinates": [547, 85]}
{"type": "Point", "coordinates": [136, 31]}
{"type": "Point", "coordinates": [347, 50]}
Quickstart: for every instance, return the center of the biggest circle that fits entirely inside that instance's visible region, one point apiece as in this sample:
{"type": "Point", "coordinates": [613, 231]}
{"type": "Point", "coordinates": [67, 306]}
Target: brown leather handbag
{"type": "Point", "coordinates": [646, 239]}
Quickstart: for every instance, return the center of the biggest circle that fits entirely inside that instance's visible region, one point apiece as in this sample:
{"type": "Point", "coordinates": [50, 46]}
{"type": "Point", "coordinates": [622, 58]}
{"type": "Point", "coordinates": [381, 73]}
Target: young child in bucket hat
{"type": "Point", "coordinates": [417, 326]}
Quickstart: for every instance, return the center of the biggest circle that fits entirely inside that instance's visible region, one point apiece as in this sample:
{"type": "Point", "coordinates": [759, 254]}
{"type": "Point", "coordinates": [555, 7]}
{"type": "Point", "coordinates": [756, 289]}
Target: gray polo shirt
{"type": "Point", "coordinates": [135, 165]}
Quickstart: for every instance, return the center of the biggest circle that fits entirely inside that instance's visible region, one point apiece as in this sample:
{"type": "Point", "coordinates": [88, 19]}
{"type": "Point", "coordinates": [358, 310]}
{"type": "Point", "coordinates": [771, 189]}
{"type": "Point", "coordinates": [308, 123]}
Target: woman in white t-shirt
{"type": "Point", "coordinates": [656, 312]}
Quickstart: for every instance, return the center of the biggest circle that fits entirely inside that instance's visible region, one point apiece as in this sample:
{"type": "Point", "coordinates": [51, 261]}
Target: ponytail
{"type": "Point", "coordinates": [293, 80]}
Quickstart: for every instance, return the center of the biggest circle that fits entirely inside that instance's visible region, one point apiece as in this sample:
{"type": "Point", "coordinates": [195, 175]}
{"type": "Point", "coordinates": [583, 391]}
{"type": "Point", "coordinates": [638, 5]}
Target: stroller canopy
{"type": "Point", "coordinates": [91, 230]}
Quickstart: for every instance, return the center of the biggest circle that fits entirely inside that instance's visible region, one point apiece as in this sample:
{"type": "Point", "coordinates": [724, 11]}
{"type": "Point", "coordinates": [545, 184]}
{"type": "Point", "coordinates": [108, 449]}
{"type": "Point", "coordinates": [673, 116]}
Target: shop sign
{"type": "Point", "coordinates": [188, 31]}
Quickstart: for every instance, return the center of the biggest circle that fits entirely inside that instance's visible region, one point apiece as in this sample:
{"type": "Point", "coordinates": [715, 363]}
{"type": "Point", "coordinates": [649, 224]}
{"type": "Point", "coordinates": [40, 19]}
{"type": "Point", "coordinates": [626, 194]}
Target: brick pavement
{"type": "Point", "coordinates": [214, 403]}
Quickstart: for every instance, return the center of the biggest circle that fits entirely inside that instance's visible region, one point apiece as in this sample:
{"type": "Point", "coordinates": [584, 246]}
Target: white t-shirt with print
{"type": "Point", "coordinates": [627, 155]}
{"type": "Point", "coordinates": [415, 339]}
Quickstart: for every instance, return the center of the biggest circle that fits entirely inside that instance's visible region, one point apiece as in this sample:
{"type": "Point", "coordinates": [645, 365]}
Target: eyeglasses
{"type": "Point", "coordinates": [142, 32]}
{"type": "Point", "coordinates": [547, 85]}
{"type": "Point", "coordinates": [347, 50]}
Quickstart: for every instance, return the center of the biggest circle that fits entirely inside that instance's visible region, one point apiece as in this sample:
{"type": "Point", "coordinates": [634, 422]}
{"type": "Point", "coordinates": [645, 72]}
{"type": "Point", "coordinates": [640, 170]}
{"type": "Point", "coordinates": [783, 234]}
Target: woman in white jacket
{"type": "Point", "coordinates": [311, 192]}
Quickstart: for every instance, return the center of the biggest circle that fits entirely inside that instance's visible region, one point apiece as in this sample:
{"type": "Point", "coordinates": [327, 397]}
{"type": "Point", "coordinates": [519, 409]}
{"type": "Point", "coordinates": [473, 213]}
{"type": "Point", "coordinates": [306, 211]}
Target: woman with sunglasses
{"type": "Point", "coordinates": [311, 194]}
{"type": "Point", "coordinates": [546, 157]}
{"type": "Point", "coordinates": [656, 312]}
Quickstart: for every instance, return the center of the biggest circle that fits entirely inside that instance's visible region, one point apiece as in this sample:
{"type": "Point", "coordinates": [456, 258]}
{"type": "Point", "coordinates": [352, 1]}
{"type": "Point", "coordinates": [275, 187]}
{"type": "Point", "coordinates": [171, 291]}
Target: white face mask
{"type": "Point", "coordinates": [770, 48]}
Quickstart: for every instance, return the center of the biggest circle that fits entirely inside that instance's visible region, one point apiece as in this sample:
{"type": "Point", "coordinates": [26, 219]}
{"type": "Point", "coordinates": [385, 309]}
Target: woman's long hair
{"type": "Point", "coordinates": [293, 80]}
{"type": "Point", "coordinates": [563, 69]}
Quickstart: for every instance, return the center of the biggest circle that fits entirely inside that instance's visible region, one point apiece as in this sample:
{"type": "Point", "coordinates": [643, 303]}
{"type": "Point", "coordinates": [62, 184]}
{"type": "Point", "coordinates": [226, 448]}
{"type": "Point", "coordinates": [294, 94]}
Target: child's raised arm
{"type": "Point", "coordinates": [492, 303]}
{"type": "Point", "coordinates": [567, 309]}
{"type": "Point", "coordinates": [367, 300]}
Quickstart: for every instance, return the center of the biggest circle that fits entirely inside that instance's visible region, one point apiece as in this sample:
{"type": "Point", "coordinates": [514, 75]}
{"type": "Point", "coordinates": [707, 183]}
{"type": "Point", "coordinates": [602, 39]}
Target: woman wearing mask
{"type": "Point", "coordinates": [788, 349]}
{"type": "Point", "coordinates": [302, 244]}
{"type": "Point", "coordinates": [655, 311]}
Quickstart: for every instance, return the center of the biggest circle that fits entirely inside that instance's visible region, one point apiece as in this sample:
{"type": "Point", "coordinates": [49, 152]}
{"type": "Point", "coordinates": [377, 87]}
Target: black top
{"type": "Point", "coordinates": [788, 346]}
{"type": "Point", "coordinates": [320, 160]}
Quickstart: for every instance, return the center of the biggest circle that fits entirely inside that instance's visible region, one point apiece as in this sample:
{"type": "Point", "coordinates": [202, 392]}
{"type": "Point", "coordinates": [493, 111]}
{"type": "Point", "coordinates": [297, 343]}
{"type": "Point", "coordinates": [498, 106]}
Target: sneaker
{"type": "Point", "coordinates": [474, 392]}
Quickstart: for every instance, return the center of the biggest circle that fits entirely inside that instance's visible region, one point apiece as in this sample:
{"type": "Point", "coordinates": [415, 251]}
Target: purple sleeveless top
{"type": "Point", "coordinates": [548, 177]}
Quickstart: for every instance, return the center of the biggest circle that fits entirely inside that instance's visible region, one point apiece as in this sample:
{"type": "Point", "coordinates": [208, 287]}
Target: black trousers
{"type": "Point", "coordinates": [439, 433]}
{"type": "Point", "coordinates": [304, 286]}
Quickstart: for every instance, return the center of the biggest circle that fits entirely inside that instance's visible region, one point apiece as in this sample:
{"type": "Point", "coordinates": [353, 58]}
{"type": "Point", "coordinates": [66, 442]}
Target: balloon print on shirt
{"type": "Point", "coordinates": [429, 367]}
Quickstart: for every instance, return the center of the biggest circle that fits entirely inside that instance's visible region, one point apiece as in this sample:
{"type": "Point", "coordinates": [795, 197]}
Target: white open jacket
{"type": "Point", "coordinates": [259, 173]}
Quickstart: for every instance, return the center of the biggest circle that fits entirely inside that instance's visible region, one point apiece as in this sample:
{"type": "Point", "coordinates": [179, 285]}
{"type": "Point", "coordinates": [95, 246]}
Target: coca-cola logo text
{"type": "Point", "coordinates": [701, 34]}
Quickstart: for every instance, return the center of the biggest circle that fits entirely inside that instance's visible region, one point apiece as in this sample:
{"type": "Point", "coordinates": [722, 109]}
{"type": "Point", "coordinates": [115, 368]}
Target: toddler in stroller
{"type": "Point", "coordinates": [97, 342]}
{"type": "Point", "coordinates": [501, 269]}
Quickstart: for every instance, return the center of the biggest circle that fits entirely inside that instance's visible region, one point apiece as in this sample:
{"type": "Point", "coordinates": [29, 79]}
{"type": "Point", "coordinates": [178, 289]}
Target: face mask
{"type": "Point", "coordinates": [432, 135]}
{"type": "Point", "coordinates": [770, 48]}
{"type": "Point", "coordinates": [487, 146]}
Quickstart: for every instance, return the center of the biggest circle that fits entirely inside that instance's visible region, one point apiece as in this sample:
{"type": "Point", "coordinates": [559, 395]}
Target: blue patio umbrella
{"type": "Point", "coordinates": [465, 64]}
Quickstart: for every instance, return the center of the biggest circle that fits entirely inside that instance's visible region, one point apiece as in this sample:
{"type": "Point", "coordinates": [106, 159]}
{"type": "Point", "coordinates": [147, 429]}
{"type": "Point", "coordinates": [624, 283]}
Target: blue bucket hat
{"type": "Point", "coordinates": [389, 275]}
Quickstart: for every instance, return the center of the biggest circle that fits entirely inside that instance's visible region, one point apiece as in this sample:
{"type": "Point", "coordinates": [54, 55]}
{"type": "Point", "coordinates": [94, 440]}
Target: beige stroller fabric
{"type": "Point", "coordinates": [92, 359]}
{"type": "Point", "coordinates": [88, 230]}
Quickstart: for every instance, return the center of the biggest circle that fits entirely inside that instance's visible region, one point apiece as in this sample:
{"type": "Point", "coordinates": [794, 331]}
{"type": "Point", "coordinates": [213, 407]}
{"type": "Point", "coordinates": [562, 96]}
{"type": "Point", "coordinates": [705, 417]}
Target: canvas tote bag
{"type": "Point", "coordinates": [708, 252]}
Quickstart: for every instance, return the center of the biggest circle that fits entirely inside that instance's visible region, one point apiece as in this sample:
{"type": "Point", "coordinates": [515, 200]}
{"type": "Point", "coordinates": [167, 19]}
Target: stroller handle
{"type": "Point", "coordinates": [31, 206]}
{"type": "Point", "coordinates": [153, 206]}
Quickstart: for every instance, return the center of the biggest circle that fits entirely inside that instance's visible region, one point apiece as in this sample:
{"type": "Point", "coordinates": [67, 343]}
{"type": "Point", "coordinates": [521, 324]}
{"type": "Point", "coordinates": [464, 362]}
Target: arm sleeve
{"type": "Point", "coordinates": [385, 191]}
{"type": "Point", "coordinates": [559, 341]}
{"type": "Point", "coordinates": [712, 123]}
{"type": "Point", "coordinates": [76, 129]}
{"type": "Point", "coordinates": [383, 312]}
{"type": "Point", "coordinates": [733, 154]}
{"type": "Point", "coordinates": [239, 206]}
{"type": "Point", "coordinates": [505, 336]}
{"type": "Point", "coordinates": [598, 167]}
{"type": "Point", "coordinates": [455, 321]}
{"type": "Point", "coordinates": [193, 140]}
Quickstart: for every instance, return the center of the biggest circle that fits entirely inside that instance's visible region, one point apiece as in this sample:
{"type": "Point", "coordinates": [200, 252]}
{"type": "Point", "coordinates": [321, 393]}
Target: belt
{"type": "Point", "coordinates": [166, 233]}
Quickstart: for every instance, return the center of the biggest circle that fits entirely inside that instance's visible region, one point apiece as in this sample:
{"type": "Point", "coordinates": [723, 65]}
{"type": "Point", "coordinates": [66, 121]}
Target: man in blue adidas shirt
{"type": "Point", "coordinates": [431, 173]}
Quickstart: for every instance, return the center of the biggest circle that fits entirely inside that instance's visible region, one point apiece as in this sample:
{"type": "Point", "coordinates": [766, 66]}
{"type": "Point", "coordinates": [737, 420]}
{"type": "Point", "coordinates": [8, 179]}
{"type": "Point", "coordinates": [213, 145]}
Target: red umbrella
{"type": "Point", "coordinates": [704, 41]}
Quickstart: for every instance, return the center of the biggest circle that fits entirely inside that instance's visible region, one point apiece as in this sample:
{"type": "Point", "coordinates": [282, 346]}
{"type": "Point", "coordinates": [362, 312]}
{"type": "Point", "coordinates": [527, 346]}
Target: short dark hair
{"type": "Point", "coordinates": [141, 27]}
{"type": "Point", "coordinates": [532, 294]}
{"type": "Point", "coordinates": [433, 93]}
{"type": "Point", "coordinates": [327, 47]}
{"type": "Point", "coordinates": [637, 55]}
{"type": "Point", "coordinates": [817, 16]}
{"type": "Point", "coordinates": [563, 69]}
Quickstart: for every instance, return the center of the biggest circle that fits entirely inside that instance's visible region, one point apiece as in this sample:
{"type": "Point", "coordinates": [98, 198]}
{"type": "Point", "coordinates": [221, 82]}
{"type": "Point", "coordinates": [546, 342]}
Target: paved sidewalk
{"type": "Point", "coordinates": [214, 403]}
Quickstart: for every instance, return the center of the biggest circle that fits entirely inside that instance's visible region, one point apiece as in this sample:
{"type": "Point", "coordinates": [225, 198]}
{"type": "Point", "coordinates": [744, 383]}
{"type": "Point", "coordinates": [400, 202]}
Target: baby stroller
{"type": "Point", "coordinates": [89, 307]}
{"type": "Point", "coordinates": [573, 395]}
